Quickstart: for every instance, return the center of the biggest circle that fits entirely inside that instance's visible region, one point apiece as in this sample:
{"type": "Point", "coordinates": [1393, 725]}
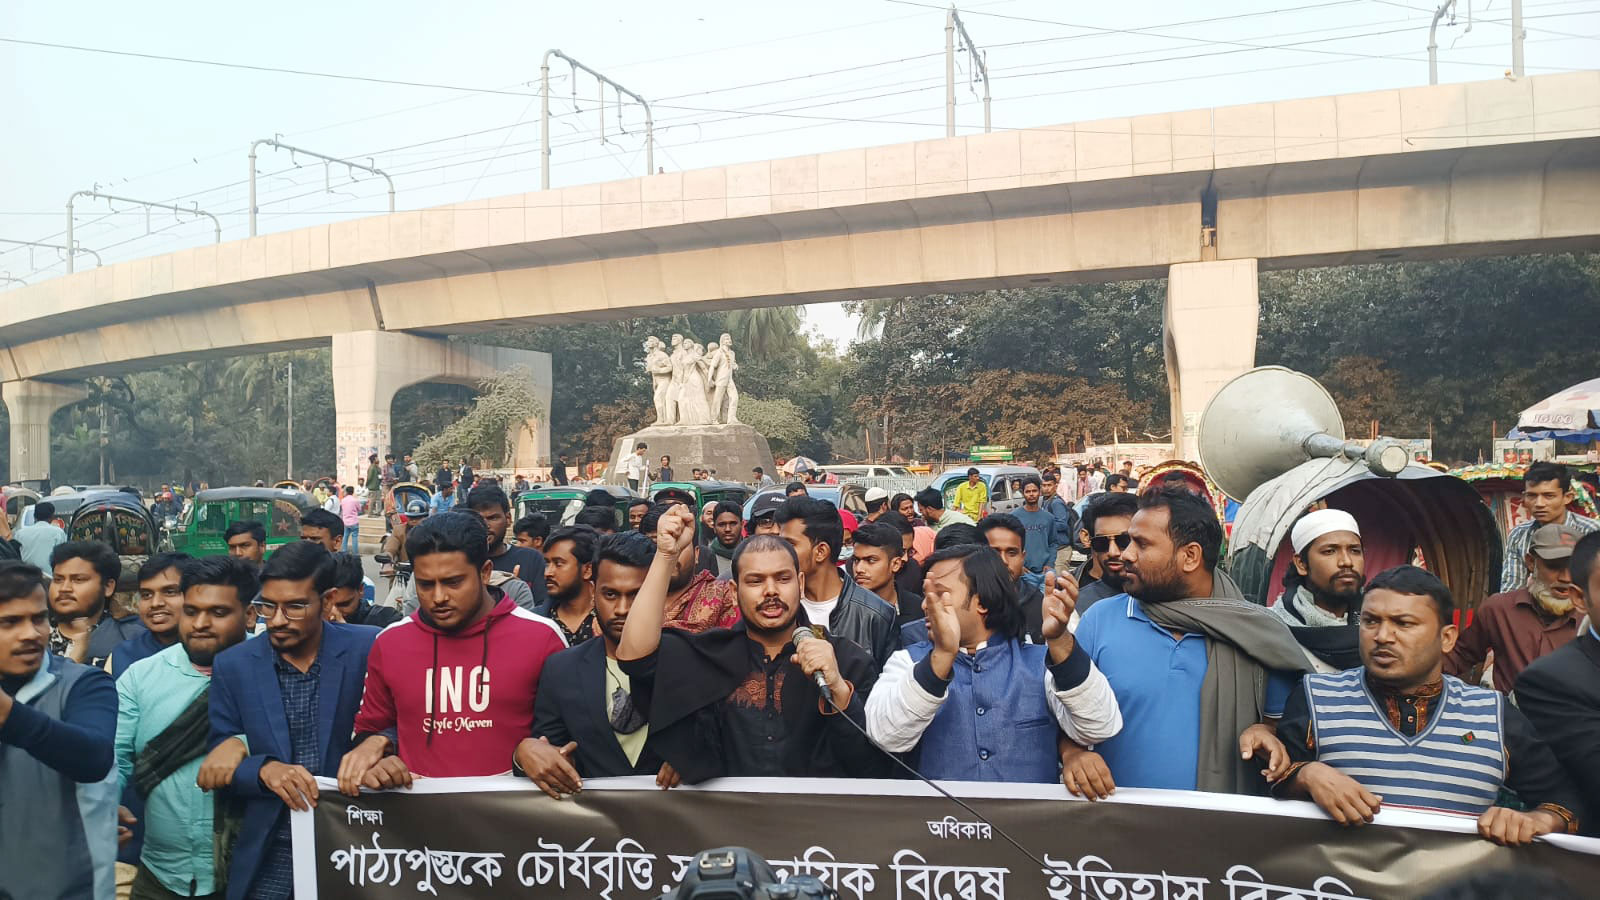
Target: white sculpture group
{"type": "Point", "coordinates": [693, 384]}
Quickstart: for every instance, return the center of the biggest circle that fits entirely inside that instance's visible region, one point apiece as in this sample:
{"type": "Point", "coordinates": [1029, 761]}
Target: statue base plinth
{"type": "Point", "coordinates": [730, 450]}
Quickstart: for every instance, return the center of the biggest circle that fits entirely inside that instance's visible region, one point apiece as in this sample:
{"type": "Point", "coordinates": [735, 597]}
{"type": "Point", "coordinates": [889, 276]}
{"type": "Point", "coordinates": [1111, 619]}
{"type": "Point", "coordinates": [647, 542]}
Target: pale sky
{"type": "Point", "coordinates": [729, 82]}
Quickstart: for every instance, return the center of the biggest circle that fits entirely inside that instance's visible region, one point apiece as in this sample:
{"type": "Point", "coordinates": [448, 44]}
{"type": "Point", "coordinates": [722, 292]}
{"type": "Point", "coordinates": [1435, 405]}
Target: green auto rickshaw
{"type": "Point", "coordinates": [198, 532]}
{"type": "Point", "coordinates": [561, 504]}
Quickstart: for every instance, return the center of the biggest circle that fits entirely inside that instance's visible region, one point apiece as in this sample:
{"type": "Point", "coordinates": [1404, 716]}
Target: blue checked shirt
{"type": "Point", "coordinates": [300, 700]}
{"type": "Point", "coordinates": [1515, 573]}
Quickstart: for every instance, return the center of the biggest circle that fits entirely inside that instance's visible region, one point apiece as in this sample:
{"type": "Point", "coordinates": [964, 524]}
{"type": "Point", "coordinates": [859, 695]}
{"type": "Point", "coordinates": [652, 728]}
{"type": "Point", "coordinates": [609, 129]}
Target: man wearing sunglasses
{"type": "Point", "coordinates": [293, 698]}
{"type": "Point", "coordinates": [1105, 530]}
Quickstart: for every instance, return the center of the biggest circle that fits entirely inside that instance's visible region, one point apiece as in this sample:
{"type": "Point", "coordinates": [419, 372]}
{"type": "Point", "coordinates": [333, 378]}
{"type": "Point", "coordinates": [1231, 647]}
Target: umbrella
{"type": "Point", "coordinates": [797, 465]}
{"type": "Point", "coordinates": [1571, 415]}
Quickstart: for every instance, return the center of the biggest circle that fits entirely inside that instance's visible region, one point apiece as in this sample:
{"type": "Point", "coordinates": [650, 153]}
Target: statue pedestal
{"type": "Point", "coordinates": [731, 450]}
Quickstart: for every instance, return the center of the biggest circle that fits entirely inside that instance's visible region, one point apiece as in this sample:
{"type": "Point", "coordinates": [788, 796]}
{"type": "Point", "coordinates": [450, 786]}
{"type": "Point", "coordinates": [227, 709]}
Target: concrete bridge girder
{"type": "Point", "coordinates": [29, 405]}
{"type": "Point", "coordinates": [370, 367]}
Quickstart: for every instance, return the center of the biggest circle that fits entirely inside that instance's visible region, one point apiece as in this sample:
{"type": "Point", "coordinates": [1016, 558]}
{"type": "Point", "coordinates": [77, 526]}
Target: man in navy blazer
{"type": "Point", "coordinates": [584, 722]}
{"type": "Point", "coordinates": [282, 712]}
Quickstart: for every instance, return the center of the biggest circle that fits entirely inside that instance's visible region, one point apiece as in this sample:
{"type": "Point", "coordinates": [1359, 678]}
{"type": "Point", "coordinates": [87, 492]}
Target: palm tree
{"type": "Point", "coordinates": [765, 332]}
{"type": "Point", "coordinates": [878, 314]}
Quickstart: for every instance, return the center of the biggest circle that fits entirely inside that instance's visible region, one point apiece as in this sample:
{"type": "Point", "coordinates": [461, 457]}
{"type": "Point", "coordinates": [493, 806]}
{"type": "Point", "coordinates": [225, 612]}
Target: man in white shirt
{"type": "Point", "coordinates": [637, 469]}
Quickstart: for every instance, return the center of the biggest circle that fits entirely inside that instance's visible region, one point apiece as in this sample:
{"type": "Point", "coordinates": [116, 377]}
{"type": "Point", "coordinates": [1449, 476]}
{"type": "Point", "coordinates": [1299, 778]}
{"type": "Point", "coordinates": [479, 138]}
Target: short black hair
{"type": "Point", "coordinates": [600, 518]}
{"type": "Point", "coordinates": [899, 522]}
{"type": "Point", "coordinates": [19, 579]}
{"type": "Point", "coordinates": [44, 511]}
{"type": "Point", "coordinates": [880, 534]}
{"type": "Point", "coordinates": [642, 446]}
{"type": "Point", "coordinates": [1114, 481]}
{"type": "Point", "coordinates": [630, 548]}
{"type": "Point", "coordinates": [1582, 563]}
{"type": "Point", "coordinates": [972, 470]}
{"type": "Point", "coordinates": [339, 570]}
{"type": "Point", "coordinates": [647, 525]}
{"type": "Point", "coordinates": [296, 561]}
{"type": "Point", "coordinates": [256, 530]}
{"type": "Point", "coordinates": [1543, 471]}
{"type": "Point", "coordinates": [822, 522]}
{"type": "Point", "coordinates": [1001, 520]}
{"type": "Point", "coordinates": [956, 535]}
{"type": "Point", "coordinates": [598, 497]}
{"type": "Point", "coordinates": [451, 531]}
{"type": "Point", "coordinates": [727, 506]}
{"type": "Point", "coordinates": [321, 518]}
{"type": "Point", "coordinates": [793, 486]}
{"type": "Point", "coordinates": [929, 498]}
{"type": "Point", "coordinates": [638, 501]}
{"type": "Point", "coordinates": [1108, 504]}
{"type": "Point", "coordinates": [226, 571]}
{"type": "Point", "coordinates": [759, 471]}
{"type": "Point", "coordinates": [583, 540]}
{"type": "Point", "coordinates": [99, 556]}
{"type": "Point", "coordinates": [486, 494]}
{"type": "Point", "coordinates": [986, 575]}
{"type": "Point", "coordinates": [532, 524]}
{"type": "Point", "coordinates": [760, 543]}
{"type": "Point", "coordinates": [1416, 581]}
{"type": "Point", "coordinates": [1190, 521]}
{"type": "Point", "coordinates": [876, 505]}
{"type": "Point", "coordinates": [159, 563]}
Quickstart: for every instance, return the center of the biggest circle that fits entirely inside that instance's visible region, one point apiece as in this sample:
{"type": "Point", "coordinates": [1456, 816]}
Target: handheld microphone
{"type": "Point", "coordinates": [803, 633]}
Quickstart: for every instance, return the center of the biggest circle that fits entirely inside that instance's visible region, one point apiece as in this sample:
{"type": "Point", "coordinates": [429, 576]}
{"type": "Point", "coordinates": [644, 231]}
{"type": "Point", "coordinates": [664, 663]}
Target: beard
{"type": "Point", "coordinates": [1164, 586]}
{"type": "Point", "coordinates": [563, 597]}
{"type": "Point", "coordinates": [1548, 600]}
{"type": "Point", "coordinates": [1349, 601]}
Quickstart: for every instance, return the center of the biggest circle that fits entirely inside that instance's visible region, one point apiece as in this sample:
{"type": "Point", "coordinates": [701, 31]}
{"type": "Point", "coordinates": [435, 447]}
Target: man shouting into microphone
{"type": "Point", "coordinates": [746, 701]}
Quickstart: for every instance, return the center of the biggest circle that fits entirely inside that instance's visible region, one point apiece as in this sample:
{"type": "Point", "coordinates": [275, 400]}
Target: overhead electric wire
{"type": "Point", "coordinates": [696, 115]}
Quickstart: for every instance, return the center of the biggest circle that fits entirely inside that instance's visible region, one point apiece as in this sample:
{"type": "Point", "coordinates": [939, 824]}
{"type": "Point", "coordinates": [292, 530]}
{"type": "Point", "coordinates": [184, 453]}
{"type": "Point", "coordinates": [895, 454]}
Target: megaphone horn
{"type": "Point", "coordinates": [1269, 420]}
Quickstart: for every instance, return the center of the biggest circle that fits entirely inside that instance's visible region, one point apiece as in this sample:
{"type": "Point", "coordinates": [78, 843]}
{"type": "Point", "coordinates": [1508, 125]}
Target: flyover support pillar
{"type": "Point", "coordinates": [1213, 309]}
{"type": "Point", "coordinates": [30, 404]}
{"type": "Point", "coordinates": [370, 367]}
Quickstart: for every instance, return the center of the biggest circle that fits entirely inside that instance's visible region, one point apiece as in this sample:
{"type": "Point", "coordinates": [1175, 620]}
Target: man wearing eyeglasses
{"type": "Point", "coordinates": [1105, 529]}
{"type": "Point", "coordinates": [292, 698]}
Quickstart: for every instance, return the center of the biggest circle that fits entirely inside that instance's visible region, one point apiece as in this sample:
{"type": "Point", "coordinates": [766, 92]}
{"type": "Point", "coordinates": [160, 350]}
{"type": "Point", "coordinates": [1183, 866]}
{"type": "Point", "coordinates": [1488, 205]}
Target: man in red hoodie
{"type": "Point", "coordinates": [430, 706]}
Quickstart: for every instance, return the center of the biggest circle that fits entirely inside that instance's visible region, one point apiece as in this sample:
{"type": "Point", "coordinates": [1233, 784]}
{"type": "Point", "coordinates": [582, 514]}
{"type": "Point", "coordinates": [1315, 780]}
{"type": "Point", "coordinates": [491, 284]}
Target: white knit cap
{"type": "Point", "coordinates": [1316, 524]}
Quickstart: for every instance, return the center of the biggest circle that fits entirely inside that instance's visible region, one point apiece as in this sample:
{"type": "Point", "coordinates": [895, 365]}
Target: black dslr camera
{"type": "Point", "coordinates": [735, 873]}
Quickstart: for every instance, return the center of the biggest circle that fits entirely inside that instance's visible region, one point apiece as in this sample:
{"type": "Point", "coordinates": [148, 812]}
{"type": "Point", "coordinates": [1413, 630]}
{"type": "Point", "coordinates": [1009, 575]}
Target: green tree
{"type": "Point", "coordinates": [780, 421]}
{"type": "Point", "coordinates": [765, 332]}
{"type": "Point", "coordinates": [502, 410]}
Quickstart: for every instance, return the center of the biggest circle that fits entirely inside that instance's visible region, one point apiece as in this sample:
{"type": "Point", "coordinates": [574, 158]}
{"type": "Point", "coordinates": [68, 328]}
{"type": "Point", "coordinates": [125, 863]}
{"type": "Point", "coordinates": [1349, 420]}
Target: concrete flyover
{"type": "Point", "coordinates": [1209, 195]}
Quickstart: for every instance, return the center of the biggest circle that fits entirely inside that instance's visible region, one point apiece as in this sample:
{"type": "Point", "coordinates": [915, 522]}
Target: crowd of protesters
{"type": "Point", "coordinates": [158, 750]}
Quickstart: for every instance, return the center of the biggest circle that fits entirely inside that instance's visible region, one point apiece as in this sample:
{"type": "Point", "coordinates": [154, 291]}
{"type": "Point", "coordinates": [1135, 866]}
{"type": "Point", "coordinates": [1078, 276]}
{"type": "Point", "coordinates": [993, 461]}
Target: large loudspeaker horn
{"type": "Point", "coordinates": [1269, 420]}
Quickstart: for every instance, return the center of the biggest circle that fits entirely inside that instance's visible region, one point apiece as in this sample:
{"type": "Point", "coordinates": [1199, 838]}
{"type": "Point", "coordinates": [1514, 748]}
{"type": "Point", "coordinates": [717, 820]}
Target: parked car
{"type": "Point", "coordinates": [561, 504]}
{"type": "Point", "coordinates": [1003, 481]}
{"type": "Point", "coordinates": [894, 479]}
{"type": "Point", "coordinates": [198, 532]}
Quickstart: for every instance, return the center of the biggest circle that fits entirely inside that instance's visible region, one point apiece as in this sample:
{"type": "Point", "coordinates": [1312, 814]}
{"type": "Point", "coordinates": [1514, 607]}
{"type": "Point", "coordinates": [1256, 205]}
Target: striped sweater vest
{"type": "Point", "coordinates": [1456, 763]}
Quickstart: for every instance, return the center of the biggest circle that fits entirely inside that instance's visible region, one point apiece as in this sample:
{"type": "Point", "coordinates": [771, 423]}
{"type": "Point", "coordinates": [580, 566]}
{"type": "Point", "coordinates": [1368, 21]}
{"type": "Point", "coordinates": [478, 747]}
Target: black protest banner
{"type": "Point", "coordinates": [625, 839]}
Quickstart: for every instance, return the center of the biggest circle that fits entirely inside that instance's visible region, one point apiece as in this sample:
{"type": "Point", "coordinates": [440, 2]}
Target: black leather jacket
{"type": "Point", "coordinates": [866, 620]}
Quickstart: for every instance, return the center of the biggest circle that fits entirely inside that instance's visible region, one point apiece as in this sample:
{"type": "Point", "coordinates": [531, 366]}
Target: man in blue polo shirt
{"type": "Point", "coordinates": [1177, 648]}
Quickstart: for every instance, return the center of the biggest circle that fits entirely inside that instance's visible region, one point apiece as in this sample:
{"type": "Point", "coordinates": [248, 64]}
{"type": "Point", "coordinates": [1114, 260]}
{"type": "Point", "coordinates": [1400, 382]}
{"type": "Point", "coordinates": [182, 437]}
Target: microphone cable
{"type": "Point", "coordinates": [931, 783]}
